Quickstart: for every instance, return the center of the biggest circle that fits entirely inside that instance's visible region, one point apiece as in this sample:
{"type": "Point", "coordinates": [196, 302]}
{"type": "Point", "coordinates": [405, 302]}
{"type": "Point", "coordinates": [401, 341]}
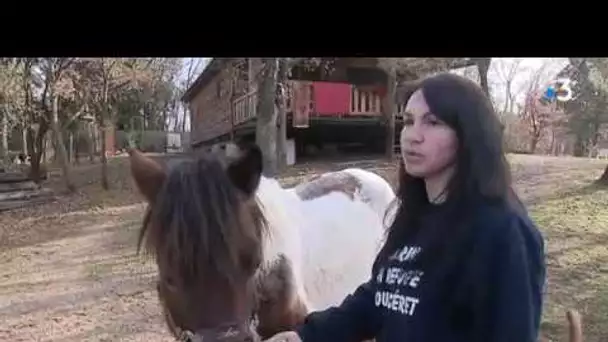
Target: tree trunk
{"type": "Point", "coordinates": [250, 75]}
{"type": "Point", "coordinates": [24, 141]}
{"type": "Point", "coordinates": [282, 114]}
{"type": "Point", "coordinates": [507, 95]}
{"type": "Point", "coordinates": [91, 142]}
{"type": "Point", "coordinates": [389, 113]}
{"type": "Point", "coordinates": [533, 143]}
{"type": "Point", "coordinates": [35, 155]}
{"type": "Point", "coordinates": [105, 184]}
{"type": "Point", "coordinates": [5, 155]}
{"type": "Point", "coordinates": [75, 142]}
{"type": "Point", "coordinates": [483, 65]}
{"type": "Point", "coordinates": [282, 138]}
{"type": "Point", "coordinates": [37, 146]}
{"type": "Point", "coordinates": [579, 146]}
{"type": "Point", "coordinates": [71, 149]}
{"type": "Point", "coordinates": [266, 129]}
{"type": "Point", "coordinates": [603, 180]}
{"type": "Point", "coordinates": [45, 150]}
{"type": "Point", "coordinates": [186, 112]}
{"type": "Point", "coordinates": [60, 150]}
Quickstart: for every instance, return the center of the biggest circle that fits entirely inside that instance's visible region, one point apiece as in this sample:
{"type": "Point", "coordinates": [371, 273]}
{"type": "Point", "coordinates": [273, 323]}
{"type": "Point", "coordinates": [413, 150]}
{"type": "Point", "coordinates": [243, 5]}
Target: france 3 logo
{"type": "Point", "coordinates": [558, 90]}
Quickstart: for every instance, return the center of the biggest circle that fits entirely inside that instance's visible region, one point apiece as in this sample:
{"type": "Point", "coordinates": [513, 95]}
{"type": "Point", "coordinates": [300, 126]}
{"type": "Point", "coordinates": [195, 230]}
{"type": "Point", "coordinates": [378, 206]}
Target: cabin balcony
{"type": "Point", "coordinates": [349, 101]}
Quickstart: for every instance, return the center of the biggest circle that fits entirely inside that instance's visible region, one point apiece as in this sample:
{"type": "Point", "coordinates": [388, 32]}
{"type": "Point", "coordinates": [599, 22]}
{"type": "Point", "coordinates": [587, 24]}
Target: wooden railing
{"type": "Point", "coordinates": [363, 102]}
{"type": "Point", "coordinates": [245, 108]}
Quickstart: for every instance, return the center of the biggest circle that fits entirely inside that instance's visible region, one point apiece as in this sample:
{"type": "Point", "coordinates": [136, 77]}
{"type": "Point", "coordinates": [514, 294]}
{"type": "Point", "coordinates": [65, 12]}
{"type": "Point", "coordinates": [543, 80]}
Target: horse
{"type": "Point", "coordinates": [230, 242]}
{"type": "Point", "coordinates": [234, 248]}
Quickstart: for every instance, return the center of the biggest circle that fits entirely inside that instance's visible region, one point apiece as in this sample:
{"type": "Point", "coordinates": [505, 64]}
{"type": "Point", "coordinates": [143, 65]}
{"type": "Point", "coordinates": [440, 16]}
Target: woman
{"type": "Point", "coordinates": [462, 260]}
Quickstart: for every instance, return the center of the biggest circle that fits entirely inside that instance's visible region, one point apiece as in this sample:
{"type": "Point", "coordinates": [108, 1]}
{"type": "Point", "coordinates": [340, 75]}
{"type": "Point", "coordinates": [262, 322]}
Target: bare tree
{"type": "Point", "coordinates": [271, 76]}
{"type": "Point", "coordinates": [538, 116]}
{"type": "Point", "coordinates": [266, 129]}
{"type": "Point", "coordinates": [505, 73]}
{"type": "Point", "coordinates": [597, 76]}
{"type": "Point", "coordinates": [109, 78]}
{"type": "Point", "coordinates": [56, 85]}
{"type": "Point", "coordinates": [281, 100]}
{"type": "Point", "coordinates": [8, 85]}
{"type": "Point", "coordinates": [483, 65]}
{"type": "Point", "coordinates": [193, 67]}
{"type": "Point", "coordinates": [35, 121]}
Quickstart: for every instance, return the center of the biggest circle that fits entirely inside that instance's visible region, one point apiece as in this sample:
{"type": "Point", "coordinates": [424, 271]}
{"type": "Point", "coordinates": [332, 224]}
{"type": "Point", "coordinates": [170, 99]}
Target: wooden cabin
{"type": "Point", "coordinates": [341, 105]}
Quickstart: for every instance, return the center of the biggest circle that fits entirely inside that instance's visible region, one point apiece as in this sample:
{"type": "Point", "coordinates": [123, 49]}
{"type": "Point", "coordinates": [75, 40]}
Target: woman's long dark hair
{"type": "Point", "coordinates": [482, 172]}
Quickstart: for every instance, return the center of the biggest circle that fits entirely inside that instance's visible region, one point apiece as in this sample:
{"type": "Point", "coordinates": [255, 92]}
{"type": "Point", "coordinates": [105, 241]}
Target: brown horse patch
{"type": "Point", "coordinates": [322, 185]}
{"type": "Point", "coordinates": [279, 306]}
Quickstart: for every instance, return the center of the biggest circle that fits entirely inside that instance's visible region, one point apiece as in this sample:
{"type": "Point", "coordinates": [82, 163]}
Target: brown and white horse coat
{"type": "Point", "coordinates": [323, 239]}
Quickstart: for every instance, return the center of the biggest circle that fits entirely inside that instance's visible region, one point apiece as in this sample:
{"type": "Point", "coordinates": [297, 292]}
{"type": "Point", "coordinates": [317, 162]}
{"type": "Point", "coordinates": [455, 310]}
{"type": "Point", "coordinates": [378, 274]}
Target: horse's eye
{"type": "Point", "coordinates": [169, 281]}
{"type": "Point", "coordinates": [167, 284]}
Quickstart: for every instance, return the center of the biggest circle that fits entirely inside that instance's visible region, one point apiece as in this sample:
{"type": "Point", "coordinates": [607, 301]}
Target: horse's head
{"type": "Point", "coordinates": [205, 229]}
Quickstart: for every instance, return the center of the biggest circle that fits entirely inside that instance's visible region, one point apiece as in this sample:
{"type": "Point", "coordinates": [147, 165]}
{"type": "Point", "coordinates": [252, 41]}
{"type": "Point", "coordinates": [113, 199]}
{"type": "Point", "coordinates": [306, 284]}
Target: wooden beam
{"type": "Point", "coordinates": [388, 110]}
{"type": "Point", "coordinates": [18, 186]}
{"type": "Point", "coordinates": [250, 75]}
{"type": "Point", "coordinates": [13, 177]}
{"type": "Point", "coordinates": [24, 194]}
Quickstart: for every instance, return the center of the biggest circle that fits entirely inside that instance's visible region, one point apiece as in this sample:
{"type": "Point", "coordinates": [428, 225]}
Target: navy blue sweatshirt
{"type": "Point", "coordinates": [494, 293]}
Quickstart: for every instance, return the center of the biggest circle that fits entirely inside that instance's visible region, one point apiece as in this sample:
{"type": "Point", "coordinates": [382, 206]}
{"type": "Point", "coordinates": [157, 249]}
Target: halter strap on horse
{"type": "Point", "coordinates": [235, 332]}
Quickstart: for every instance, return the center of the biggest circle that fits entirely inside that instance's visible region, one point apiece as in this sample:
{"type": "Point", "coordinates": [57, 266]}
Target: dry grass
{"type": "Point", "coordinates": [576, 231]}
{"type": "Point", "coordinates": [70, 272]}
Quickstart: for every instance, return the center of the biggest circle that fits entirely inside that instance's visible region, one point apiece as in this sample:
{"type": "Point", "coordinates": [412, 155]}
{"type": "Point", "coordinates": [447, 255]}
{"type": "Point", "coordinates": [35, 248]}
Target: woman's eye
{"type": "Point", "coordinates": [408, 122]}
{"type": "Point", "coordinates": [433, 122]}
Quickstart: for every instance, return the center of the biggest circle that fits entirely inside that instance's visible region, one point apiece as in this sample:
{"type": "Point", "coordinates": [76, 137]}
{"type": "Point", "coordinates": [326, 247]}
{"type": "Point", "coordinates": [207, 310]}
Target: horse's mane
{"type": "Point", "coordinates": [200, 222]}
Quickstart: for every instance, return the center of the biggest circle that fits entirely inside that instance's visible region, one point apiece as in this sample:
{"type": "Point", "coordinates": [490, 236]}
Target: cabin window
{"type": "Point", "coordinates": [306, 73]}
{"type": "Point", "coordinates": [243, 70]}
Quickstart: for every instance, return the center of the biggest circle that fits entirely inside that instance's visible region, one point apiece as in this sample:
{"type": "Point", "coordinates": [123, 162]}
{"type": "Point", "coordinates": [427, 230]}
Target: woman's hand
{"type": "Point", "coordinates": [286, 336]}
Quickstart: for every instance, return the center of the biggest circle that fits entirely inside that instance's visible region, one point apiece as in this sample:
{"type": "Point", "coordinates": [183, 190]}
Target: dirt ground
{"type": "Point", "coordinates": [70, 271]}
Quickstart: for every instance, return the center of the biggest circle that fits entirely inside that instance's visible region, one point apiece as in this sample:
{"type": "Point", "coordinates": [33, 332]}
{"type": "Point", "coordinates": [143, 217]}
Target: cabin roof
{"type": "Point", "coordinates": [417, 67]}
{"type": "Point", "coordinates": [214, 66]}
{"type": "Point", "coordinates": [406, 68]}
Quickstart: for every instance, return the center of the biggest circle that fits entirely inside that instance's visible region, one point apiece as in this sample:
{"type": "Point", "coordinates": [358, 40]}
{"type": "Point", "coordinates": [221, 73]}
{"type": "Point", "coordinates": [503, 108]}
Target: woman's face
{"type": "Point", "coordinates": [428, 145]}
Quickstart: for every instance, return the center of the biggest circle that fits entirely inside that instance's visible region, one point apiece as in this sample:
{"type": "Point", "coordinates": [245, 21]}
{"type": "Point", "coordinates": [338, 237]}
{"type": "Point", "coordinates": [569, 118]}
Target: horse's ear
{"type": "Point", "coordinates": [245, 166]}
{"type": "Point", "coordinates": [147, 173]}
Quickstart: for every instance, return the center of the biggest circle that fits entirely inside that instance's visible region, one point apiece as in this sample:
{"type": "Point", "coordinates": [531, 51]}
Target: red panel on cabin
{"type": "Point", "coordinates": [332, 98]}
